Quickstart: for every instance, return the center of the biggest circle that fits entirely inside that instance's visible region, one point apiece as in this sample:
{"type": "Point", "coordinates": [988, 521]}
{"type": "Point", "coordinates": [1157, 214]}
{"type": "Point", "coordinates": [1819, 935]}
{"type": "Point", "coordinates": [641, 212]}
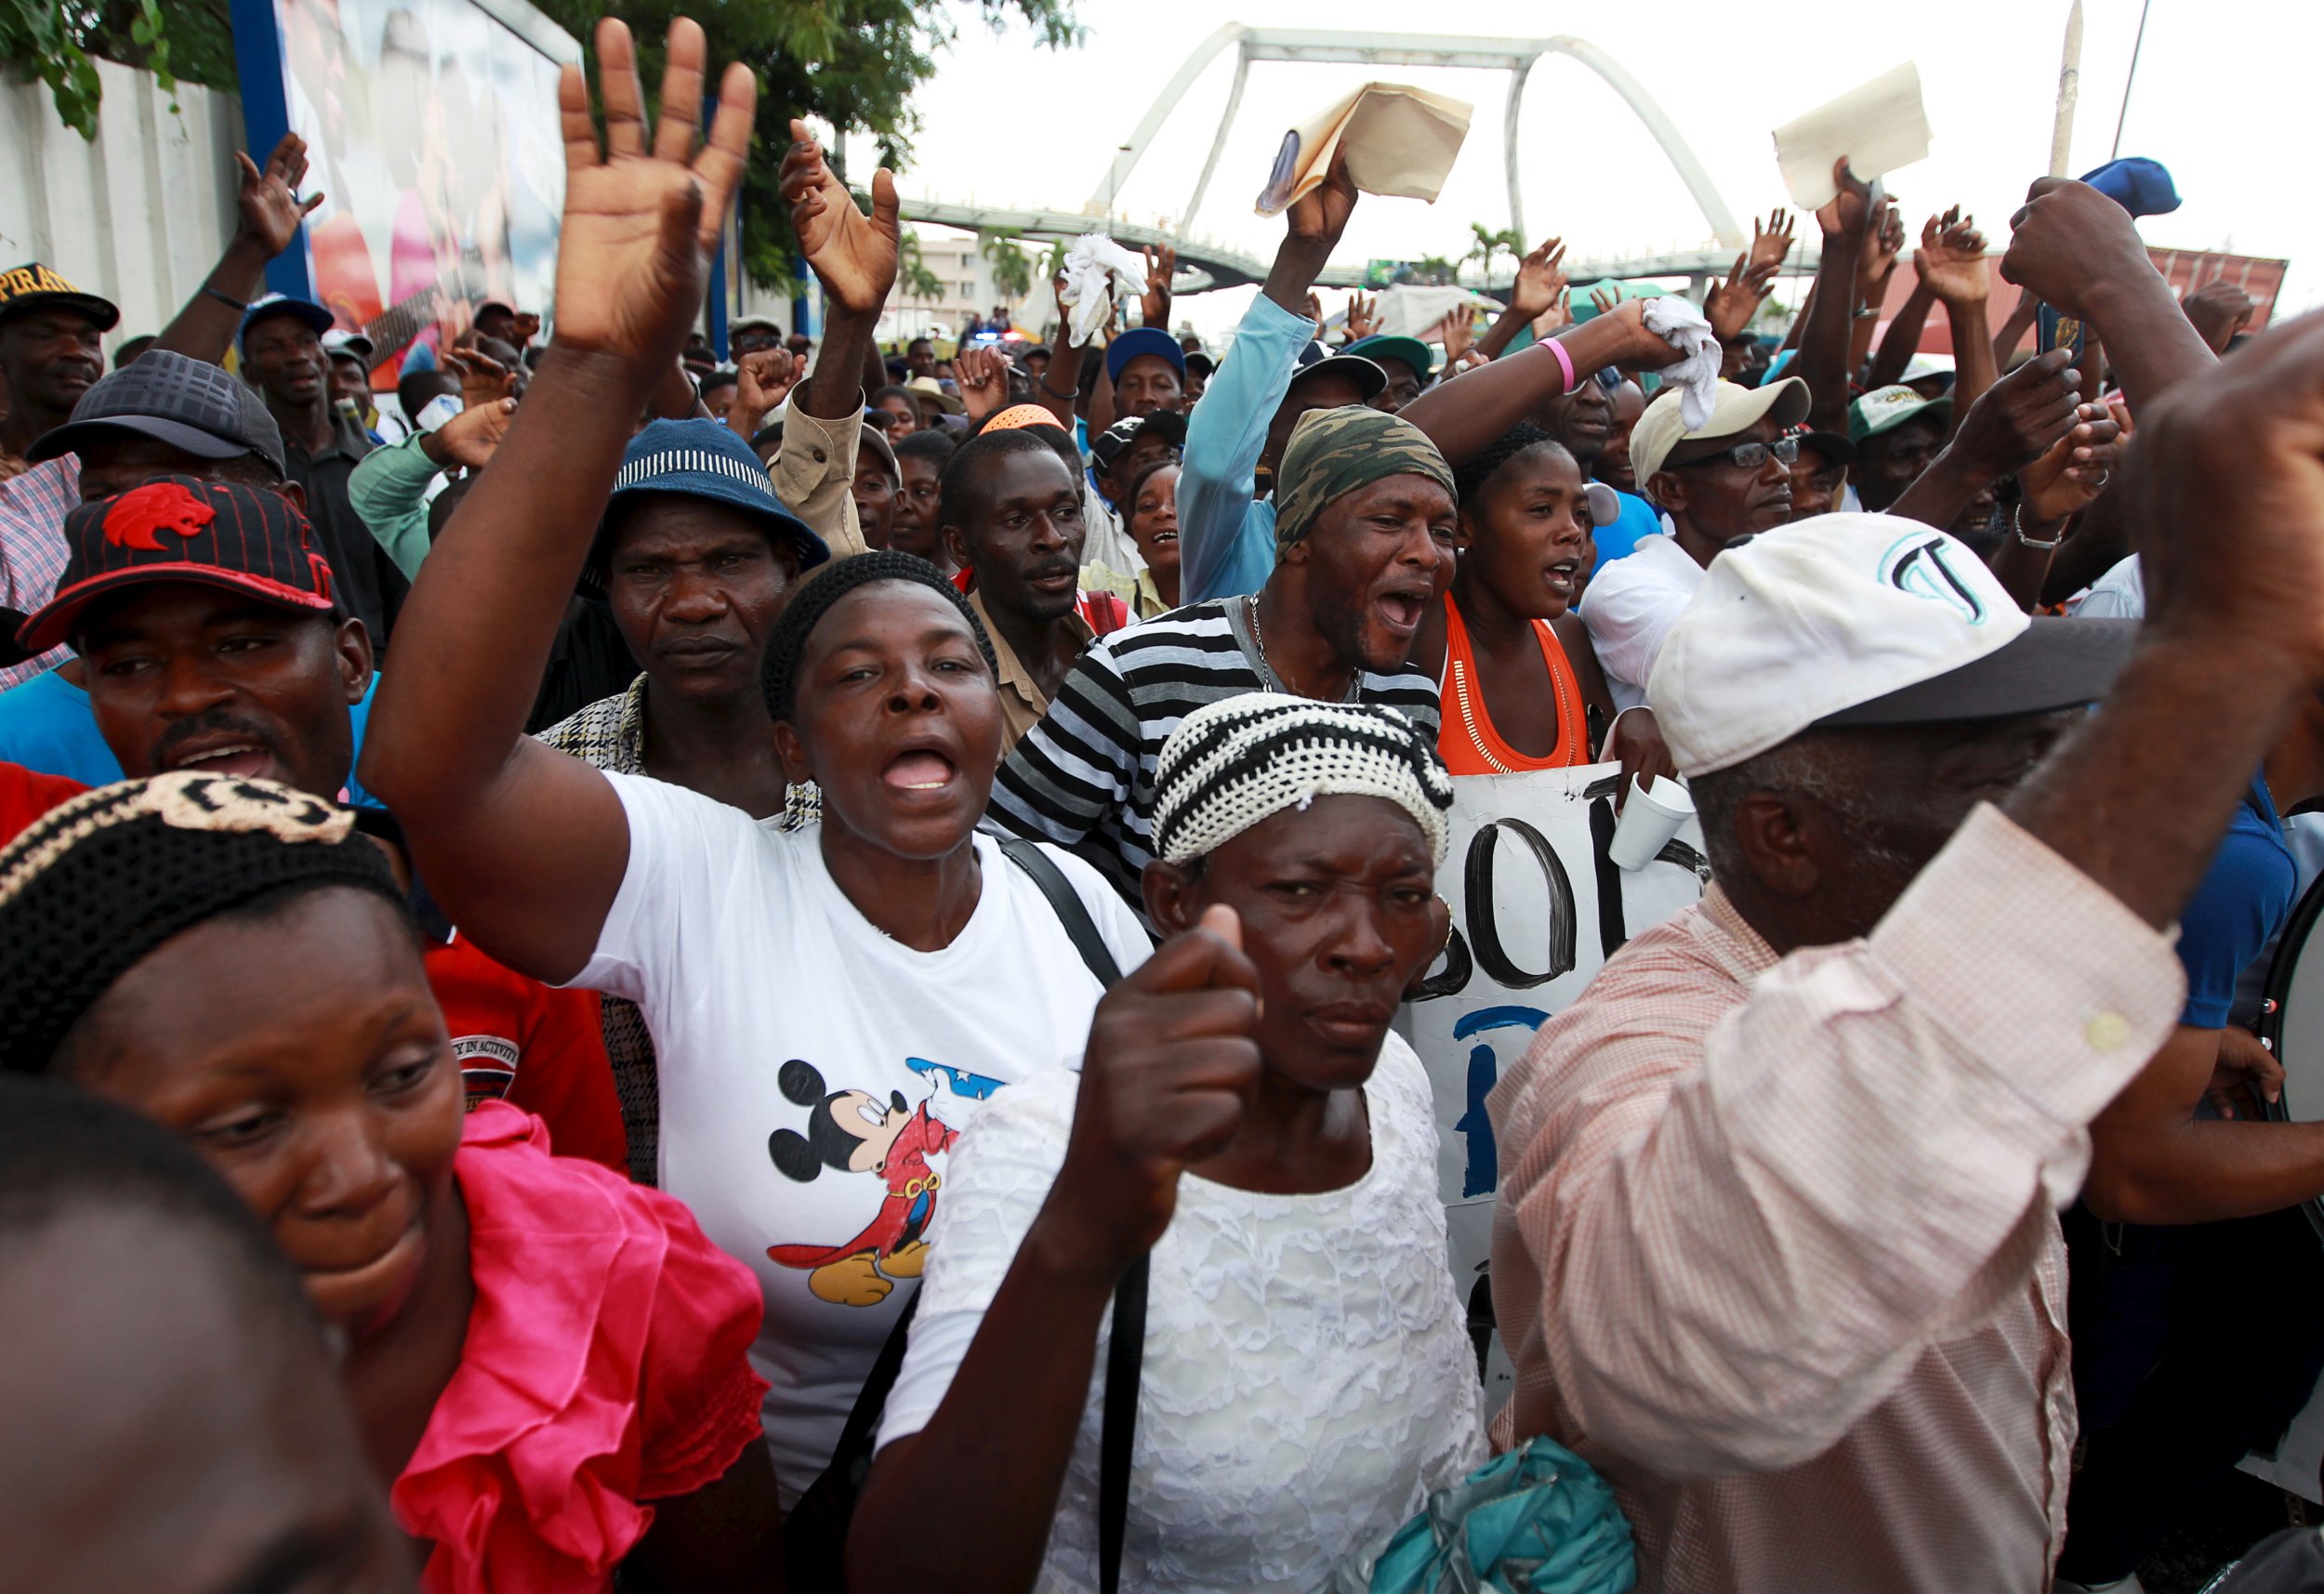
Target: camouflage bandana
{"type": "Point", "coordinates": [1334, 452]}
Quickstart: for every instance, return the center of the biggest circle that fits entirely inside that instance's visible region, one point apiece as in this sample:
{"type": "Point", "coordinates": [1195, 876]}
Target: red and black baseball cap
{"type": "Point", "coordinates": [177, 528]}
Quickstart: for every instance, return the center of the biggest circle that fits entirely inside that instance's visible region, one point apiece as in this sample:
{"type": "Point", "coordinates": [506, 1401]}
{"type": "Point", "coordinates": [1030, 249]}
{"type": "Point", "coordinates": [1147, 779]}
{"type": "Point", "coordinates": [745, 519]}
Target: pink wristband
{"type": "Point", "coordinates": [1565, 362]}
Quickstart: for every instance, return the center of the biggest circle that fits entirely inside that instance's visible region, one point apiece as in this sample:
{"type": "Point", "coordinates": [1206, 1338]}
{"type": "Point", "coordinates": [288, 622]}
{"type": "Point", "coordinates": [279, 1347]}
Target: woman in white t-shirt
{"type": "Point", "coordinates": [829, 1006]}
{"type": "Point", "coordinates": [1244, 1116]}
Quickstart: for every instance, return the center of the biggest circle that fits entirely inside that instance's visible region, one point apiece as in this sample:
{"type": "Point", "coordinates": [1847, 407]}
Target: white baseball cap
{"type": "Point", "coordinates": [1660, 437]}
{"type": "Point", "coordinates": [1861, 620]}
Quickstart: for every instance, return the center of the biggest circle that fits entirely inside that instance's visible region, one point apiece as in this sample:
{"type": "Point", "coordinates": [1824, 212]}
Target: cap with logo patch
{"type": "Point", "coordinates": [177, 528]}
{"type": "Point", "coordinates": [32, 286]}
{"type": "Point", "coordinates": [1861, 620]}
{"type": "Point", "coordinates": [1885, 409]}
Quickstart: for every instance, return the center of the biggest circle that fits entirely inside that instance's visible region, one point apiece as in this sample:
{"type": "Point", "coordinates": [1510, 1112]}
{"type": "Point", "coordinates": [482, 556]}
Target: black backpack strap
{"type": "Point", "coordinates": [1126, 1351]}
{"type": "Point", "coordinates": [1125, 1357]}
{"type": "Point", "coordinates": [1071, 911]}
{"type": "Point", "coordinates": [871, 1400]}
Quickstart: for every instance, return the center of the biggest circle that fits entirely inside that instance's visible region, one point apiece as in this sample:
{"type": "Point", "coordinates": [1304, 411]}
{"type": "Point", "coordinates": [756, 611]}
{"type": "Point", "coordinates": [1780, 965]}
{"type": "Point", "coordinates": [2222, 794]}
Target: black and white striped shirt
{"type": "Point", "coordinates": [1084, 776]}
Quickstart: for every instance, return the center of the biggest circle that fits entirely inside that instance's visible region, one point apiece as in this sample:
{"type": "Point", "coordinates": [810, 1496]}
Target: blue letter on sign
{"type": "Point", "coordinates": [1482, 1171]}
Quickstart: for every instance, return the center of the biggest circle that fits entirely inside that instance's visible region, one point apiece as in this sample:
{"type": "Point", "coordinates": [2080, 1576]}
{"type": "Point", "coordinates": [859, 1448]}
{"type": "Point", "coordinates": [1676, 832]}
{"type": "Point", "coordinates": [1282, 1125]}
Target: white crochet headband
{"type": "Point", "coordinates": [1233, 763]}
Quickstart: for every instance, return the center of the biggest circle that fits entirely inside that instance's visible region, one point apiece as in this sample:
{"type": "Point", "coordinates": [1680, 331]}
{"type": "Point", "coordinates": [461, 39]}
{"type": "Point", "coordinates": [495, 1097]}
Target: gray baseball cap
{"type": "Point", "coordinates": [190, 404]}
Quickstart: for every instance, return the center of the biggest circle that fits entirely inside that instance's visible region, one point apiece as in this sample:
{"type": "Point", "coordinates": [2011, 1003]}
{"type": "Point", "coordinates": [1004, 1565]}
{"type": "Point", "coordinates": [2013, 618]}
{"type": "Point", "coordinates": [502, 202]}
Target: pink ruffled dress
{"type": "Point", "coordinates": [606, 1366]}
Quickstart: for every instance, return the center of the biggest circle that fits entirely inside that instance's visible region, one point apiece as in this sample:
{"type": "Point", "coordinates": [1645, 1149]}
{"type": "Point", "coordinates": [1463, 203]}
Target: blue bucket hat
{"type": "Point", "coordinates": [1144, 340]}
{"type": "Point", "coordinates": [700, 458]}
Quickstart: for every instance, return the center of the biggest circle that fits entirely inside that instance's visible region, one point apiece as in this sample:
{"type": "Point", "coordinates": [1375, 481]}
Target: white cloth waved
{"type": "Point", "coordinates": [1682, 326]}
{"type": "Point", "coordinates": [1089, 261]}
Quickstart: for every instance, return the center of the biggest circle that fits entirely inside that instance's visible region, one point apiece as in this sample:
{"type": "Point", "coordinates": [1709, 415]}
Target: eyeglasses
{"type": "Point", "coordinates": [1750, 456]}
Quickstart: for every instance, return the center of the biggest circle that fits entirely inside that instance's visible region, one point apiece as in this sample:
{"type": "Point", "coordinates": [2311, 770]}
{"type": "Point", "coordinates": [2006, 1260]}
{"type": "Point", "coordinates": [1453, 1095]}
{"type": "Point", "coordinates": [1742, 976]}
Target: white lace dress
{"type": "Point", "coordinates": [1308, 1373]}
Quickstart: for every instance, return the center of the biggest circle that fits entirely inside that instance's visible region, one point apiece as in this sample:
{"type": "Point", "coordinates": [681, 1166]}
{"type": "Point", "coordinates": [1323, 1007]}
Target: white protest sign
{"type": "Point", "coordinates": [1526, 876]}
{"type": "Point", "coordinates": [1881, 127]}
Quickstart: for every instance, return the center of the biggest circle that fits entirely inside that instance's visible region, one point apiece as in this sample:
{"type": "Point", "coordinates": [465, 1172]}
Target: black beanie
{"type": "Point", "coordinates": [787, 641]}
{"type": "Point", "coordinates": [97, 883]}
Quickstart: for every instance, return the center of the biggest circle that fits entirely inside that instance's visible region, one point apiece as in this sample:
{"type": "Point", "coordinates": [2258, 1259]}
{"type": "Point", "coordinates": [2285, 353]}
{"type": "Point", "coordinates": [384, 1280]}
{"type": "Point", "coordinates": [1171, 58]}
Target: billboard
{"type": "Point", "coordinates": [431, 132]}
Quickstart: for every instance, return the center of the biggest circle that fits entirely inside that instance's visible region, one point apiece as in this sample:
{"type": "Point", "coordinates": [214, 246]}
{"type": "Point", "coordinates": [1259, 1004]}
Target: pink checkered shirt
{"type": "Point", "coordinates": [1777, 1246]}
{"type": "Point", "coordinates": [32, 508]}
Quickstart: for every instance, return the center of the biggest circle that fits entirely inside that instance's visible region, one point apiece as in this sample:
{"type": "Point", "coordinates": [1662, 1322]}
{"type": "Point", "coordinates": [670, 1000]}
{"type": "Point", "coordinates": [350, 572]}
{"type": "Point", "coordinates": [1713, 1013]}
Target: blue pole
{"type": "Point", "coordinates": [265, 118]}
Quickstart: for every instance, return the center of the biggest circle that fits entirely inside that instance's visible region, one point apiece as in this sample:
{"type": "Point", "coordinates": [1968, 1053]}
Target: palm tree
{"type": "Point", "coordinates": [1012, 274]}
{"type": "Point", "coordinates": [1489, 244]}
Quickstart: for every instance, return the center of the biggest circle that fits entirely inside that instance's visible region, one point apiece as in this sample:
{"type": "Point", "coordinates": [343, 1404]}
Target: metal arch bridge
{"type": "Point", "coordinates": [1222, 266]}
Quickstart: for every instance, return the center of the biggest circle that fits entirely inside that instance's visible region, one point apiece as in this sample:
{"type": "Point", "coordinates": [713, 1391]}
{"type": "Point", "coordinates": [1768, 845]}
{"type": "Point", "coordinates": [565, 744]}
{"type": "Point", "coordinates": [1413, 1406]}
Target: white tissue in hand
{"type": "Point", "coordinates": [1091, 261]}
{"type": "Point", "coordinates": [1682, 326]}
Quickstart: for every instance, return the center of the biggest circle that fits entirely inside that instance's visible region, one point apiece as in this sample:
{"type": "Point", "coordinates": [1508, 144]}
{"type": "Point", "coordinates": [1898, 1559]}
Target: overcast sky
{"type": "Point", "coordinates": [2226, 96]}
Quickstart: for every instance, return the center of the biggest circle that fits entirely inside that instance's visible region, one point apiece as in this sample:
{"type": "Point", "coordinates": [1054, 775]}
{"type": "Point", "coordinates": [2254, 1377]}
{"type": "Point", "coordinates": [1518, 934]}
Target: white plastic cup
{"type": "Point", "coordinates": [1649, 818]}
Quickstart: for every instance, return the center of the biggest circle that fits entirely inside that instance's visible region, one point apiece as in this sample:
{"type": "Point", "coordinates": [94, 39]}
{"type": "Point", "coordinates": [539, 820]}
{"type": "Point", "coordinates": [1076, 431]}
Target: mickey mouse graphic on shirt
{"type": "Point", "coordinates": [855, 1132]}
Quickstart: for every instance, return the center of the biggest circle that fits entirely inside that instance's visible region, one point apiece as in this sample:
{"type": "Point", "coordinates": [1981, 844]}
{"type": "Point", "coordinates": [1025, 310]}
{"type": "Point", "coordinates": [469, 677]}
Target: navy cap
{"type": "Point", "coordinates": [1144, 340]}
{"type": "Point", "coordinates": [190, 404]}
{"type": "Point", "coordinates": [318, 319]}
{"type": "Point", "coordinates": [700, 458]}
{"type": "Point", "coordinates": [2138, 185]}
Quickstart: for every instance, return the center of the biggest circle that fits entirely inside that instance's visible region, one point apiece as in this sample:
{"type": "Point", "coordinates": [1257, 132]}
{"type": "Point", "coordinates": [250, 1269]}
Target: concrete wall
{"type": "Point", "coordinates": [140, 213]}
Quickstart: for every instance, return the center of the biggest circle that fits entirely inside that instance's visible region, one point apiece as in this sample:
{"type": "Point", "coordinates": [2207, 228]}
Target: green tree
{"type": "Point", "coordinates": [1487, 244]}
{"type": "Point", "coordinates": [1012, 274]}
{"type": "Point", "coordinates": [58, 42]}
{"type": "Point", "coordinates": [851, 64]}
{"type": "Point", "coordinates": [914, 280]}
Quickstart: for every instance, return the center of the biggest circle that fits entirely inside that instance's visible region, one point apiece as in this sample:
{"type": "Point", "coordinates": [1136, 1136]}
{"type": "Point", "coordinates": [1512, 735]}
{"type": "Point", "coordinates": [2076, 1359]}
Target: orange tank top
{"type": "Point", "coordinates": [1468, 742]}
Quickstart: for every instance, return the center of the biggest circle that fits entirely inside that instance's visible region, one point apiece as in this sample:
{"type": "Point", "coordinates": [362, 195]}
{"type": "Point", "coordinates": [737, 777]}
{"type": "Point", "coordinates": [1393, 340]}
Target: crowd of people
{"type": "Point", "coordinates": [629, 970]}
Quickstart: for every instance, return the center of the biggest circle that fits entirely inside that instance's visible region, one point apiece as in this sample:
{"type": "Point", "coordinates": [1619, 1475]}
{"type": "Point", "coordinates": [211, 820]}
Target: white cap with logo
{"type": "Point", "coordinates": [1861, 620]}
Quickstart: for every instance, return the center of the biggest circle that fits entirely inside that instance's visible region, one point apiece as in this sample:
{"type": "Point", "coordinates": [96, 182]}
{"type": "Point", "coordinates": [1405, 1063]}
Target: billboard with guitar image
{"type": "Point", "coordinates": [431, 132]}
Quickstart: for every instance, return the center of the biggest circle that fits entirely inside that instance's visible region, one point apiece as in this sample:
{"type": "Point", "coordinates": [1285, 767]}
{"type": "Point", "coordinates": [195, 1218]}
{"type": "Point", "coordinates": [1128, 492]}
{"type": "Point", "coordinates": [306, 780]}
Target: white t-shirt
{"type": "Point", "coordinates": [815, 1074]}
{"type": "Point", "coordinates": [1308, 1375]}
{"type": "Point", "coordinates": [1629, 608]}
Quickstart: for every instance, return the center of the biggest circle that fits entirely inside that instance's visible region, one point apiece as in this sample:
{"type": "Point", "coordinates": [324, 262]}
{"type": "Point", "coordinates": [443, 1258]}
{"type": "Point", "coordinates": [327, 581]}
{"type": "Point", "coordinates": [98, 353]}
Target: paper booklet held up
{"type": "Point", "coordinates": [1400, 140]}
{"type": "Point", "coordinates": [1880, 128]}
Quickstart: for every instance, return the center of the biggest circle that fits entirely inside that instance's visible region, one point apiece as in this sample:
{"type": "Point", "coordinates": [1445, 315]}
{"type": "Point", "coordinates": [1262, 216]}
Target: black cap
{"type": "Point", "coordinates": [1369, 379]}
{"type": "Point", "coordinates": [2056, 663]}
{"type": "Point", "coordinates": [1833, 446]}
{"type": "Point", "coordinates": [190, 404]}
{"type": "Point", "coordinates": [32, 284]}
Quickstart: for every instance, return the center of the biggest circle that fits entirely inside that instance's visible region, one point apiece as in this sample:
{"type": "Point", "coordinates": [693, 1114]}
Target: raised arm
{"type": "Point", "coordinates": [1952, 266]}
{"type": "Point", "coordinates": [1463, 419]}
{"type": "Point", "coordinates": [268, 210]}
{"type": "Point", "coordinates": [1227, 431]}
{"type": "Point", "coordinates": [1540, 278]}
{"type": "Point", "coordinates": [525, 847]}
{"type": "Point", "coordinates": [1831, 318]}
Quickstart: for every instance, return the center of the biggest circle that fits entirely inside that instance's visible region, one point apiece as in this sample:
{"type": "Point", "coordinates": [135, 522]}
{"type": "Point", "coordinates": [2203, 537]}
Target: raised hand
{"type": "Point", "coordinates": [853, 256]}
{"type": "Point", "coordinates": [1155, 303]}
{"type": "Point", "coordinates": [1363, 316]}
{"type": "Point", "coordinates": [1772, 239]}
{"type": "Point", "coordinates": [2226, 497]}
{"type": "Point", "coordinates": [1850, 213]}
{"type": "Point", "coordinates": [2066, 478]}
{"type": "Point", "coordinates": [2021, 417]}
{"type": "Point", "coordinates": [472, 437]}
{"type": "Point", "coordinates": [1318, 216]}
{"type": "Point", "coordinates": [484, 380]}
{"type": "Point", "coordinates": [639, 225]}
{"type": "Point", "coordinates": [983, 378]}
{"type": "Point", "coordinates": [1458, 332]}
{"type": "Point", "coordinates": [1730, 305]}
{"type": "Point", "coordinates": [2219, 310]}
{"type": "Point", "coordinates": [2067, 240]}
{"type": "Point", "coordinates": [1882, 244]}
{"type": "Point", "coordinates": [1540, 278]}
{"type": "Point", "coordinates": [1172, 1061]}
{"type": "Point", "coordinates": [1951, 258]}
{"type": "Point", "coordinates": [268, 208]}
{"type": "Point", "coordinates": [763, 378]}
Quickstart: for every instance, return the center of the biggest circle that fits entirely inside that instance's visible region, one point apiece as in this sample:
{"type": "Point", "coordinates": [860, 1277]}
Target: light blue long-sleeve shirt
{"type": "Point", "coordinates": [1226, 539]}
